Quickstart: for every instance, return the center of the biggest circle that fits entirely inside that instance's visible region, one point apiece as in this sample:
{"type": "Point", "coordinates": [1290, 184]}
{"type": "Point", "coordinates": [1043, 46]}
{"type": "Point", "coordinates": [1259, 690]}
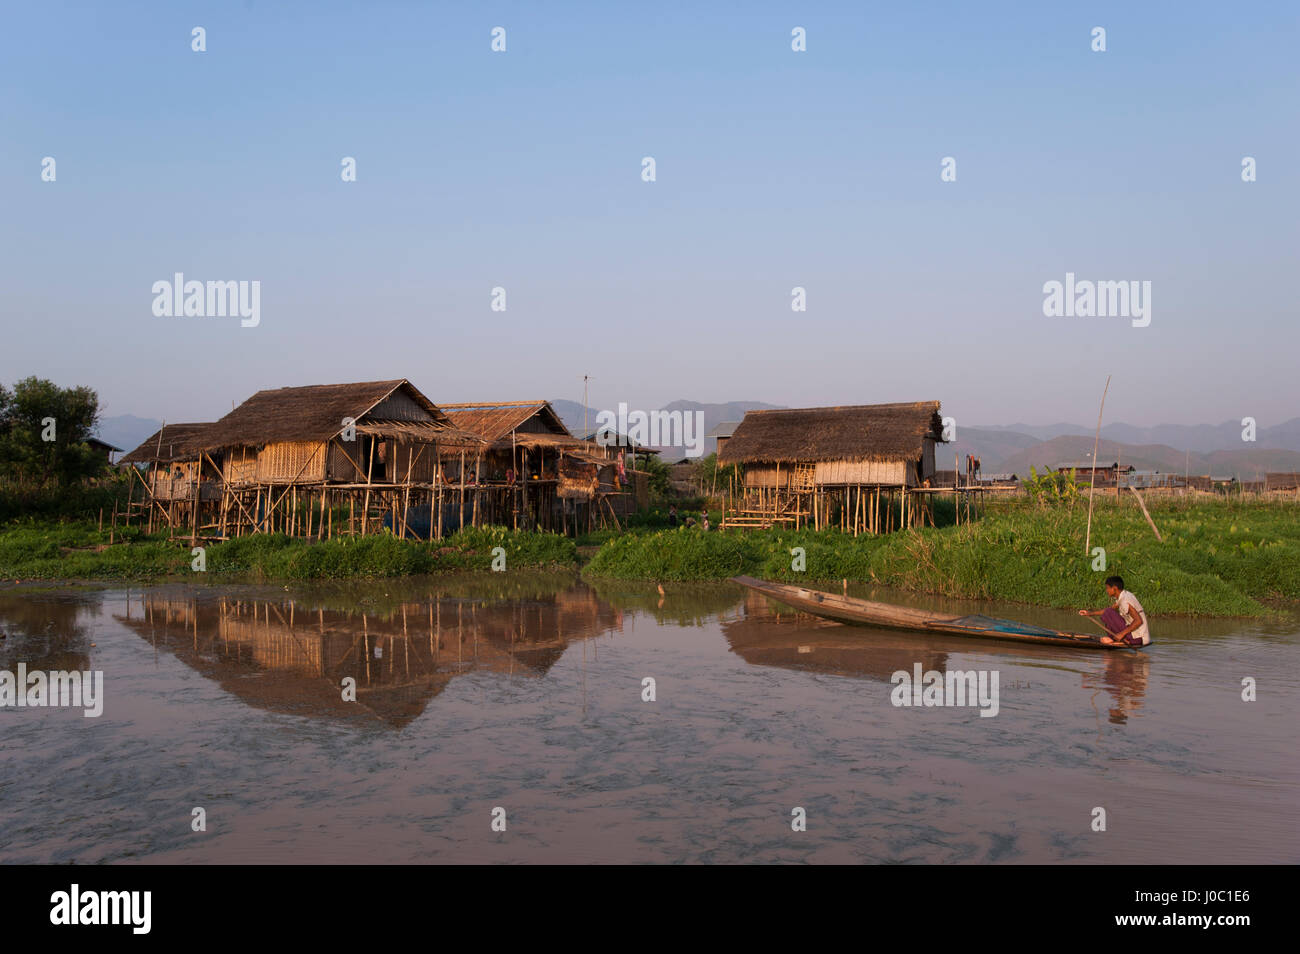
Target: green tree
{"type": "Point", "coordinates": [660, 481]}
{"type": "Point", "coordinates": [43, 433]}
{"type": "Point", "coordinates": [710, 474]}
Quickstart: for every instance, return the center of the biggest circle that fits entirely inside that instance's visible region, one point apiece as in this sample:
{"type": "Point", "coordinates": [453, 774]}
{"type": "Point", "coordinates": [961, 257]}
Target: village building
{"type": "Point", "coordinates": [853, 467]}
{"type": "Point", "coordinates": [103, 448]}
{"type": "Point", "coordinates": [722, 433]}
{"type": "Point", "coordinates": [287, 458]}
{"type": "Point", "coordinates": [534, 473]}
{"type": "Point", "coordinates": [366, 457]}
{"type": "Point", "coordinates": [174, 480]}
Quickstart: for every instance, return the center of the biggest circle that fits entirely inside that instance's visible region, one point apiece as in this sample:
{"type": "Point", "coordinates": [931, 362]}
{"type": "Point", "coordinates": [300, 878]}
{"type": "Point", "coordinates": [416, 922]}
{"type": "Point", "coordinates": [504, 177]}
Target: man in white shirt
{"type": "Point", "coordinates": [1126, 621]}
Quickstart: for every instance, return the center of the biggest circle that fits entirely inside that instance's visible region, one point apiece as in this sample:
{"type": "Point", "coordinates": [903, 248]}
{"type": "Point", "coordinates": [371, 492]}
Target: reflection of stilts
{"type": "Point", "coordinates": [238, 642]}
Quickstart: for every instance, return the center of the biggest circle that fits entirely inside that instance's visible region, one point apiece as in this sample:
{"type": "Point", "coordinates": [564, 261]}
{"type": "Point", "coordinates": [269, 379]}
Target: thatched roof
{"type": "Point", "coordinates": [421, 431]}
{"type": "Point", "coordinates": [169, 442]}
{"type": "Point", "coordinates": [861, 432]}
{"type": "Point", "coordinates": [495, 421]}
{"type": "Point", "coordinates": [311, 413]}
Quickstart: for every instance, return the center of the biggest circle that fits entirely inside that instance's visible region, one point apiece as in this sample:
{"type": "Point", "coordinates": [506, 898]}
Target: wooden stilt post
{"type": "Point", "coordinates": [370, 467]}
{"type": "Point", "coordinates": [130, 491]}
{"type": "Point", "coordinates": [478, 486]}
{"type": "Point", "coordinates": [439, 489]}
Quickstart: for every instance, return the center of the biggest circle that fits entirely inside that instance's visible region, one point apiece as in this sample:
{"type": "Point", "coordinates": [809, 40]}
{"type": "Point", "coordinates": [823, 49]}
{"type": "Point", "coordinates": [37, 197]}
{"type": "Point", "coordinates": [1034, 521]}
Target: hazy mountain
{"type": "Point", "coordinates": [1285, 435]}
{"type": "Point", "coordinates": [571, 413]}
{"type": "Point", "coordinates": [991, 445]}
{"type": "Point", "coordinates": [714, 414]}
{"type": "Point", "coordinates": [1245, 464]}
{"type": "Point", "coordinates": [1039, 432]}
{"type": "Point", "coordinates": [1196, 438]}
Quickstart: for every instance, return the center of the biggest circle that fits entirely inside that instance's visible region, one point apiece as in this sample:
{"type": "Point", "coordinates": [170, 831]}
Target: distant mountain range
{"type": "Point", "coordinates": [1201, 438]}
{"type": "Point", "coordinates": [571, 413]}
{"type": "Point", "coordinates": [1214, 449]}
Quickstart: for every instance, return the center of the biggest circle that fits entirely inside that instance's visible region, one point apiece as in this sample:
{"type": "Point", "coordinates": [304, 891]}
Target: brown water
{"type": "Point", "coordinates": [524, 692]}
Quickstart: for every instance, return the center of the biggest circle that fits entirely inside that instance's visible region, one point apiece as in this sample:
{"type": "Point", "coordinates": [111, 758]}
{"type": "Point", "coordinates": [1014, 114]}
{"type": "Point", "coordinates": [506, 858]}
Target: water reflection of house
{"type": "Point", "coordinates": [45, 634]}
{"type": "Point", "coordinates": [279, 655]}
{"type": "Point", "coordinates": [788, 639]}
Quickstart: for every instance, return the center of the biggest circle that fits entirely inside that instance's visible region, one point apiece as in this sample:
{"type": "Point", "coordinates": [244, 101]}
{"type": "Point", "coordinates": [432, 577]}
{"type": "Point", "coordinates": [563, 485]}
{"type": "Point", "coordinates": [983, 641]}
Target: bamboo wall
{"type": "Point", "coordinates": [889, 473]}
{"type": "Point", "coordinates": [757, 475]}
{"type": "Point", "coordinates": [240, 467]}
{"type": "Point", "coordinates": [291, 462]}
{"type": "Point", "coordinates": [886, 473]}
{"type": "Point", "coordinates": [165, 488]}
{"type": "Point", "coordinates": [342, 469]}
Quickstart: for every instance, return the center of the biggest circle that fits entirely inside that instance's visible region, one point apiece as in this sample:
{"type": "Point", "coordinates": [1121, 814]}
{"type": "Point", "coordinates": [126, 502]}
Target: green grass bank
{"type": "Point", "coordinates": [1218, 558]}
{"type": "Point", "coordinates": [44, 550]}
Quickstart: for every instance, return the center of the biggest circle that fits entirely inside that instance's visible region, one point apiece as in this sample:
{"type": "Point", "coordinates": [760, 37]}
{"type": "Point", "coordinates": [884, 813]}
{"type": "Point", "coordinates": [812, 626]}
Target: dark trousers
{"type": "Point", "coordinates": [1112, 620]}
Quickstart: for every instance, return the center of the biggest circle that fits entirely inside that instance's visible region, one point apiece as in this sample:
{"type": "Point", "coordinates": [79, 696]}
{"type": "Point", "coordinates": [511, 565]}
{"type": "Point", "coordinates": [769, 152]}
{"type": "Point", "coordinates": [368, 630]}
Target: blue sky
{"type": "Point", "coordinates": [775, 169]}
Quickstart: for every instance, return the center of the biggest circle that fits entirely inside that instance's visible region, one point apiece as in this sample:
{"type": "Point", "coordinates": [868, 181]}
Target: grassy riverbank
{"type": "Point", "coordinates": [1217, 559]}
{"type": "Point", "coordinates": [79, 551]}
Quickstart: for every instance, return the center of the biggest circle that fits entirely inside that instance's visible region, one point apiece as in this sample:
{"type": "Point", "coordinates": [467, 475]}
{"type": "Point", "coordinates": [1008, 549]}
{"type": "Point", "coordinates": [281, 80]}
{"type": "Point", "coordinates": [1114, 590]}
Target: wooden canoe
{"type": "Point", "coordinates": [849, 609]}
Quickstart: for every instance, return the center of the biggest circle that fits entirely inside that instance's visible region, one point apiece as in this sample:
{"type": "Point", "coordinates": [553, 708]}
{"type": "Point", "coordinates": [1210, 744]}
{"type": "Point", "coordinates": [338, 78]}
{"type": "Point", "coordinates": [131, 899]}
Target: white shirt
{"type": "Point", "coordinates": [1126, 600]}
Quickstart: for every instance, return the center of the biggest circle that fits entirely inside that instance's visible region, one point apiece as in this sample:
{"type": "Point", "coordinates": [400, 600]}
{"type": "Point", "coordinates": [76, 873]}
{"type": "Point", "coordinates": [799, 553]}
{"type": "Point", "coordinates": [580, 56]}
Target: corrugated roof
{"type": "Point", "coordinates": [855, 432]}
{"type": "Point", "coordinates": [1087, 465]}
{"type": "Point", "coordinates": [725, 429]}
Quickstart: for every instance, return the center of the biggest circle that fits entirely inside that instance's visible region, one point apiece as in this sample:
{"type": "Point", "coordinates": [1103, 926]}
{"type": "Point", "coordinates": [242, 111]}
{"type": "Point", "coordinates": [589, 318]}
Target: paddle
{"type": "Point", "coordinates": [1111, 635]}
{"type": "Point", "coordinates": [1097, 622]}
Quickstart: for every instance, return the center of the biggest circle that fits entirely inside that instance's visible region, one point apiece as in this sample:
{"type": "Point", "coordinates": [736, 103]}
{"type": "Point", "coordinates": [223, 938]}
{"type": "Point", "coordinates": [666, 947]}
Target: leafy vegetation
{"type": "Point", "coordinates": [710, 474]}
{"type": "Point", "coordinates": [1052, 487]}
{"type": "Point", "coordinates": [78, 550]}
{"type": "Point", "coordinates": [43, 430]}
{"type": "Point", "coordinates": [1218, 558]}
{"type": "Point", "coordinates": [659, 476]}
{"type": "Point", "coordinates": [1223, 557]}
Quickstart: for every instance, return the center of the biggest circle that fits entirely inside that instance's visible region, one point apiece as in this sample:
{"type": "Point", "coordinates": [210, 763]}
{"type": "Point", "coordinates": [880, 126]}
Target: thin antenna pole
{"type": "Point", "coordinates": [585, 379]}
{"type": "Point", "coordinates": [1087, 539]}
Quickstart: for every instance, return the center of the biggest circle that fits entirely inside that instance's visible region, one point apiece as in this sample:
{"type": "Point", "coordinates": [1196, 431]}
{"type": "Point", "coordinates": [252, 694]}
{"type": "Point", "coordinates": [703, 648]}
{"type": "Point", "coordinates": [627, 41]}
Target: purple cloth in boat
{"type": "Point", "coordinates": [1112, 620]}
{"type": "Point", "coordinates": [1115, 623]}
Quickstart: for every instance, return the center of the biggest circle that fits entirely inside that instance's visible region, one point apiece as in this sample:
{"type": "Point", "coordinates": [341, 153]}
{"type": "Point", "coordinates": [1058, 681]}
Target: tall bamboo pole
{"type": "Point", "coordinates": [1096, 443]}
